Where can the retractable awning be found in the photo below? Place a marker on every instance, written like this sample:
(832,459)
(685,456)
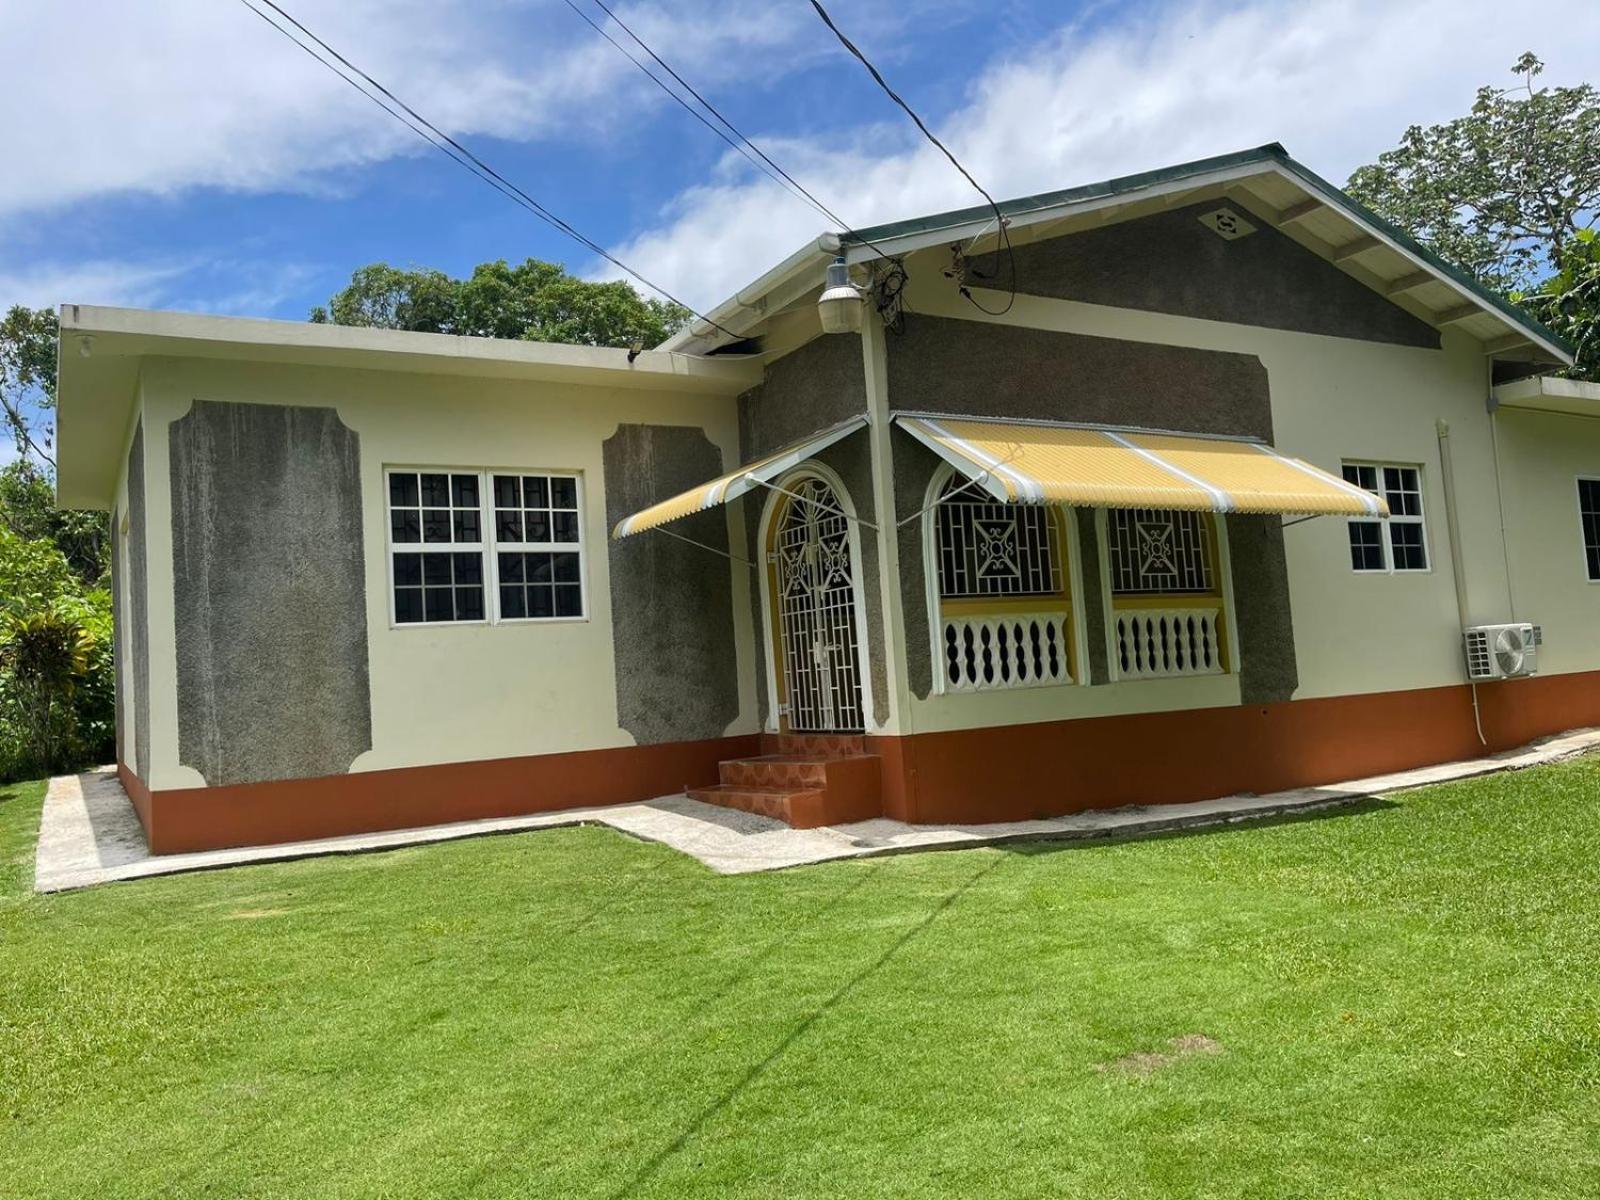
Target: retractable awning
(735,483)
(1093,467)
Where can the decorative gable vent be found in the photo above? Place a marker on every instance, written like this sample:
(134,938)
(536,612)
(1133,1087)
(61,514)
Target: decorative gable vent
(1226,223)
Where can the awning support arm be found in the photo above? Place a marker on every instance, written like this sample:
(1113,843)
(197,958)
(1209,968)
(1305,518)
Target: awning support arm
(757,481)
(703,546)
(975,481)
(1302,520)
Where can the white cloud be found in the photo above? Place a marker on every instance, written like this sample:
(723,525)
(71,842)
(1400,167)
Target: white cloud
(1337,81)
(156,98)
(127,283)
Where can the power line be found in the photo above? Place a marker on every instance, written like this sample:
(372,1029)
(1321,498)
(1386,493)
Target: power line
(798,192)
(712,109)
(878,78)
(454,150)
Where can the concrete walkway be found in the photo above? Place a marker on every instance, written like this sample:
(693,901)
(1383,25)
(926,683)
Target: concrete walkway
(89,833)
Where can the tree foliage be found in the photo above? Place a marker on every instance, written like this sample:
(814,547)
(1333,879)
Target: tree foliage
(1569,301)
(531,301)
(1503,190)
(28,338)
(57,680)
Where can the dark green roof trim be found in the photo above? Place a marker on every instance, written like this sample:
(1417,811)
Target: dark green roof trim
(1272,152)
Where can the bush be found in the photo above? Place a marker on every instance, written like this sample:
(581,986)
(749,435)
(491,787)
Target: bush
(57,676)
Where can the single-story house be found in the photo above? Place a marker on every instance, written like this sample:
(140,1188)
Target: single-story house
(1212,482)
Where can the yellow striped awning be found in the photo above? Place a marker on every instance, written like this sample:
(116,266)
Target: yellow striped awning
(735,483)
(1097,467)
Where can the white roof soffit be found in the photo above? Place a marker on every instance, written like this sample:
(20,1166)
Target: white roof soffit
(752,304)
(1545,394)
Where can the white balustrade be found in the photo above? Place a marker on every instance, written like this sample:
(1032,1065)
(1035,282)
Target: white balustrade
(1005,650)
(1158,643)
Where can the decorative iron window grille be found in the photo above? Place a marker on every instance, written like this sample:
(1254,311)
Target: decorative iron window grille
(1158,551)
(992,549)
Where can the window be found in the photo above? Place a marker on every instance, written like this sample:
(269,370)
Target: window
(1157,551)
(991,549)
(436,542)
(442,524)
(1589,514)
(537,546)
(1401,542)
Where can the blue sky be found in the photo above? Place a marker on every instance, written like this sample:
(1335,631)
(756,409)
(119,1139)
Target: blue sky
(182,155)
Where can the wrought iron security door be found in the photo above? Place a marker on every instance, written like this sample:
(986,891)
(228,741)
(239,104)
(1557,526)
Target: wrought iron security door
(817,613)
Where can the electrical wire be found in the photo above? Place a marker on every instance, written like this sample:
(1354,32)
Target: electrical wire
(999,217)
(454,150)
(888,284)
(798,188)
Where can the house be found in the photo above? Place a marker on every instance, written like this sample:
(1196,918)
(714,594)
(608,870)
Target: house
(1203,505)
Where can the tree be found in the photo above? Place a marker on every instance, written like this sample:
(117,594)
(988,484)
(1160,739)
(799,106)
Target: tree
(1569,301)
(1503,191)
(28,338)
(532,301)
(28,509)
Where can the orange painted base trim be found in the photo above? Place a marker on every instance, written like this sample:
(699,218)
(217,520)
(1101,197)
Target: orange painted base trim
(138,794)
(293,810)
(1018,772)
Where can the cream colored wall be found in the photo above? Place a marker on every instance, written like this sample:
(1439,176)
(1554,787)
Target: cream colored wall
(120,580)
(1332,399)
(1541,457)
(447,693)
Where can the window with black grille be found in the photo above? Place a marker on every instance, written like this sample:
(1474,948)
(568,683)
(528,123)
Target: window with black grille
(1589,514)
(1401,542)
(1159,551)
(987,548)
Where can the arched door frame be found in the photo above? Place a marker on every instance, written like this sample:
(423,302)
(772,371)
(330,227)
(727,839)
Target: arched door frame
(776,504)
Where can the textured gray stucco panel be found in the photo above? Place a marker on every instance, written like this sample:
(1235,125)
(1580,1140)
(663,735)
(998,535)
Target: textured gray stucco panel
(671,603)
(1268,672)
(1171,263)
(914,467)
(119,650)
(270,579)
(139,605)
(940,364)
(1094,599)
(820,384)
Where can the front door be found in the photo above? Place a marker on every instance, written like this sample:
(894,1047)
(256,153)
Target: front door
(819,648)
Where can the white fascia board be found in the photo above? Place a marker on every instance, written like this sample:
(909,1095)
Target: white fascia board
(135,332)
(755,298)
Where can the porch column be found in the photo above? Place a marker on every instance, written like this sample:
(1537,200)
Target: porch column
(899,721)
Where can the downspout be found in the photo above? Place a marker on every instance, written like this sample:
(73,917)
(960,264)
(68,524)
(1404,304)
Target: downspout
(1458,568)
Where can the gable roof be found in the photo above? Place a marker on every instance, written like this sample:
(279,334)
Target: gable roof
(1272,183)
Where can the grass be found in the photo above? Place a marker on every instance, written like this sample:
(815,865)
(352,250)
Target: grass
(1406,997)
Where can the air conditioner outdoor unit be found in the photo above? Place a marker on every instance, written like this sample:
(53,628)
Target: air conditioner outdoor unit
(1502,651)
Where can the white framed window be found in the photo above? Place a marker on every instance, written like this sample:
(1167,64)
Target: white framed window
(1589,518)
(987,548)
(435,547)
(471,546)
(1399,544)
(1159,551)
(538,544)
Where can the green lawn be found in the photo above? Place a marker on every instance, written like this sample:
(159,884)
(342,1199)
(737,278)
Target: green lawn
(1406,996)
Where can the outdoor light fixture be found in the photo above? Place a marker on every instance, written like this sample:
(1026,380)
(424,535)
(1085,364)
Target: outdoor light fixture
(840,303)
